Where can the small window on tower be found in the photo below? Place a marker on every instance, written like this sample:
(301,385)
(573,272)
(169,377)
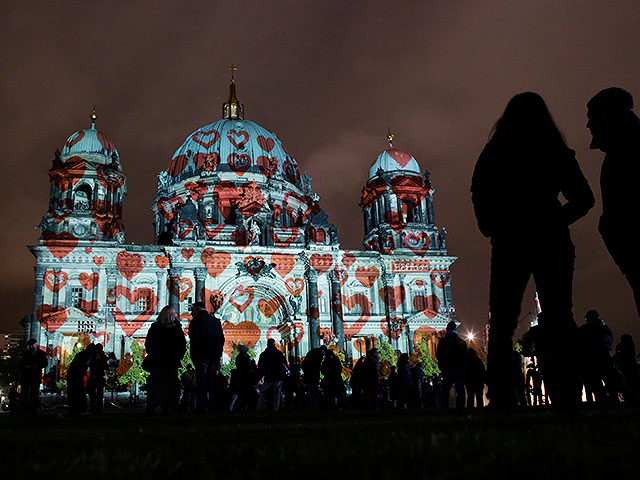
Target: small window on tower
(144,302)
(77,295)
(82,198)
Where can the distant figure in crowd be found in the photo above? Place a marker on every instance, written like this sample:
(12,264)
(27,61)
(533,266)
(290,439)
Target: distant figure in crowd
(404,382)
(77,378)
(207,342)
(165,345)
(453,357)
(273,366)
(332,383)
(595,341)
(370,380)
(417,381)
(32,362)
(311,365)
(475,380)
(516,183)
(355,382)
(615,130)
(244,382)
(625,359)
(188,381)
(96,381)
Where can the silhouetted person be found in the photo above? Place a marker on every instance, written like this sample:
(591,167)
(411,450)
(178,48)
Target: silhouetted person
(594,342)
(370,381)
(244,381)
(417,381)
(32,362)
(615,130)
(475,380)
(96,381)
(404,382)
(273,366)
(332,383)
(188,381)
(626,362)
(207,342)
(311,365)
(533,385)
(77,378)
(453,356)
(516,183)
(165,345)
(355,382)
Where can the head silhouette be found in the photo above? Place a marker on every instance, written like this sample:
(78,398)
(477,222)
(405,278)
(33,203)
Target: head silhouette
(526,120)
(606,112)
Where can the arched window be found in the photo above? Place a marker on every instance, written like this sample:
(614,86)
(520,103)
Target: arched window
(82,197)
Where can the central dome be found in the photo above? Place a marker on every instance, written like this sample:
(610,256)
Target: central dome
(233,145)
(394,160)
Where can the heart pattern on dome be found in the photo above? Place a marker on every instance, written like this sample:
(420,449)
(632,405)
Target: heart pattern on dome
(200,135)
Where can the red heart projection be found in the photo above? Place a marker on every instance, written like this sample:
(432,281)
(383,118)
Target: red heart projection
(266,143)
(185,319)
(69,242)
(313,312)
(247,333)
(89,281)
(440,277)
(186,285)
(88,250)
(321,263)
(341,274)
(200,135)
(348,259)
(392,296)
(184,228)
(211,229)
(89,308)
(51,318)
(418,244)
(216,262)
(284,263)
(129,264)
(300,331)
(196,190)
(239,163)
(104,141)
(367,276)
(357,300)
(131,327)
(54,281)
(267,165)
(395,220)
(295,286)
(167,208)
(284,236)
(98,260)
(177,165)
(253,265)
(207,161)
(238,138)
(428,305)
(206,295)
(419,283)
(187,253)
(162,261)
(397,325)
(270,307)
(74,139)
(400,157)
(237,297)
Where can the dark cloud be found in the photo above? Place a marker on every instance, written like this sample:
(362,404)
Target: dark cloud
(328,78)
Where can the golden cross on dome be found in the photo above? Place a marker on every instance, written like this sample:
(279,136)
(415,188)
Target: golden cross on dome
(390,136)
(94,117)
(233,69)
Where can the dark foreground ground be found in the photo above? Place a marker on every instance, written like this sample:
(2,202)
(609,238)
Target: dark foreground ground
(533,443)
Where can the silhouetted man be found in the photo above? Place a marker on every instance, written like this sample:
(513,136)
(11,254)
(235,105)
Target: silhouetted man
(32,362)
(453,358)
(273,366)
(615,130)
(207,341)
(595,341)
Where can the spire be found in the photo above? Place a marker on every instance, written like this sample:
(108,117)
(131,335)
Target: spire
(94,117)
(390,136)
(232,108)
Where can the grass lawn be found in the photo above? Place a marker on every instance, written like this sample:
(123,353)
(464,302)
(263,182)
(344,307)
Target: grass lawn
(527,443)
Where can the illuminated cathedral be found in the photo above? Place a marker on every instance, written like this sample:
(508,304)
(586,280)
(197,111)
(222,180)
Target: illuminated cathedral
(234,216)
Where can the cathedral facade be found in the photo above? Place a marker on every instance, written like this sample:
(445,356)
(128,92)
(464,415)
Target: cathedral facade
(235,219)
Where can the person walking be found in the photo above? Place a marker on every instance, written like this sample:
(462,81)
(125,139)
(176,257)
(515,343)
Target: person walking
(77,379)
(32,362)
(166,346)
(453,357)
(207,342)
(595,341)
(615,130)
(475,380)
(516,183)
(273,366)
(95,383)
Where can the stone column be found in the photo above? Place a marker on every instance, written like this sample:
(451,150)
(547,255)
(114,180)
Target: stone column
(174,288)
(336,309)
(387,280)
(35,329)
(201,277)
(111,305)
(161,289)
(313,312)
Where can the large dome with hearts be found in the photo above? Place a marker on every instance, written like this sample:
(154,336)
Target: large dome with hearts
(394,160)
(233,145)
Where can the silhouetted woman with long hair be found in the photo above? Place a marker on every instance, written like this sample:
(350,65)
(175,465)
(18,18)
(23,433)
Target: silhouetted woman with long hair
(515,188)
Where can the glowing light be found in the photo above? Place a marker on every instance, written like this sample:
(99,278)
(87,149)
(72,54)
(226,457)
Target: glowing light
(470,336)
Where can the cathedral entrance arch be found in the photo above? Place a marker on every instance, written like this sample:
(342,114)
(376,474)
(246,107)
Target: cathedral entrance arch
(252,312)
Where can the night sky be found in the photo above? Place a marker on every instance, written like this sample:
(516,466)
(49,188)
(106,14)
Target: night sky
(328,77)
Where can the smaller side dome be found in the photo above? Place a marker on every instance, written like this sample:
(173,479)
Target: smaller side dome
(89,140)
(394,160)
